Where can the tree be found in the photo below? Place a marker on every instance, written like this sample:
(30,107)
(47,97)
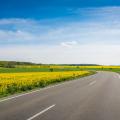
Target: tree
(51,69)
(9,65)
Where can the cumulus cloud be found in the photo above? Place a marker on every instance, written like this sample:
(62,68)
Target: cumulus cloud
(6,36)
(69,44)
(5,21)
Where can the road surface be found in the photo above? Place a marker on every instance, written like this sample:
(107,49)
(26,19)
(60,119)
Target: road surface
(96,97)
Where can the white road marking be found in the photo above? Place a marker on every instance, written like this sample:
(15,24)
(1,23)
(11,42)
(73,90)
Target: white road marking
(9,98)
(43,111)
(118,75)
(92,83)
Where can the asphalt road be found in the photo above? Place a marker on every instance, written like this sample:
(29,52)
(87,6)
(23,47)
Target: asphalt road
(96,97)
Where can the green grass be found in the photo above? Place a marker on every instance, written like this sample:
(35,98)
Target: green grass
(17,70)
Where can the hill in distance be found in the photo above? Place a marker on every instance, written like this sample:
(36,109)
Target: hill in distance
(12,64)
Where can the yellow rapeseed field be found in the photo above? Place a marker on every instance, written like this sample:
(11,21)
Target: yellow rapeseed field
(114,67)
(16,82)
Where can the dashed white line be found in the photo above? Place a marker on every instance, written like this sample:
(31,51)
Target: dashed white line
(92,83)
(43,111)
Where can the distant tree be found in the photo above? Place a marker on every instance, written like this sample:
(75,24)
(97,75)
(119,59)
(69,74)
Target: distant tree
(9,65)
(110,68)
(51,69)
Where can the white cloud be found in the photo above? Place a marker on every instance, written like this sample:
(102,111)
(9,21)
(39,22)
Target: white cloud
(5,21)
(69,44)
(107,12)
(101,25)
(84,33)
(17,36)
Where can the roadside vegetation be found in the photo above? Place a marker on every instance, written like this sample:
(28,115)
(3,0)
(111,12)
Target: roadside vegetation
(11,83)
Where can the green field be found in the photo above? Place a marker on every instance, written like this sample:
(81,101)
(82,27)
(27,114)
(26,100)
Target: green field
(16,67)
(17,70)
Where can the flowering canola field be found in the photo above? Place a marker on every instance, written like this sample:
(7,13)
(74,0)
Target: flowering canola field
(16,82)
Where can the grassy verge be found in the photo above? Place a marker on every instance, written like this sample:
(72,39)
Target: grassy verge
(20,70)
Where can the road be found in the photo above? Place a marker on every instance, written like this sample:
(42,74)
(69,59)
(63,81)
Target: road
(96,97)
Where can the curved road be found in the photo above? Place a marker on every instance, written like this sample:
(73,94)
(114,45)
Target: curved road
(96,97)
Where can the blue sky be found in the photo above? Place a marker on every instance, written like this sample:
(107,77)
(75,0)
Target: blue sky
(66,31)
(41,9)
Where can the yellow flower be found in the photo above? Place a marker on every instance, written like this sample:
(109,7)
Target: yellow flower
(13,82)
